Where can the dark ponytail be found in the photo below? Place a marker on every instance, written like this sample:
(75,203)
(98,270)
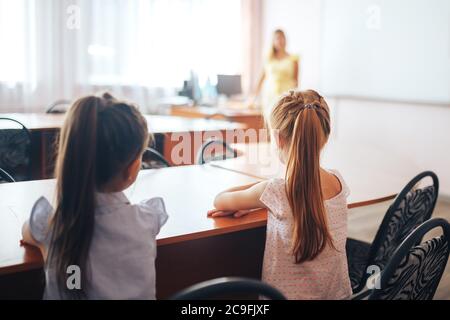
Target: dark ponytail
(101,136)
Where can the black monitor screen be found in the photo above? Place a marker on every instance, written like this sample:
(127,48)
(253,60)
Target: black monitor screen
(229,85)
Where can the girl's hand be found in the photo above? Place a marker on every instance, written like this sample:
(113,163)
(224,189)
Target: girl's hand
(24,242)
(221,213)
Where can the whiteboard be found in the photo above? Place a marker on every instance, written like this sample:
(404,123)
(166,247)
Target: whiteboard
(386,49)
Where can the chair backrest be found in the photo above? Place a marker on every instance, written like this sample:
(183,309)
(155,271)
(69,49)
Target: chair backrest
(15,148)
(228,286)
(59,106)
(410,208)
(414,271)
(5,177)
(152,159)
(220,150)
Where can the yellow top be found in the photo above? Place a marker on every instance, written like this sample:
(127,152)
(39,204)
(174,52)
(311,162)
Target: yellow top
(280,77)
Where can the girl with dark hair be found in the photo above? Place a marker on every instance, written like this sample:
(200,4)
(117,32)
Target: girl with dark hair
(94,228)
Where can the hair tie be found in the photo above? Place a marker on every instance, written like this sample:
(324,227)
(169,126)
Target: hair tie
(310,106)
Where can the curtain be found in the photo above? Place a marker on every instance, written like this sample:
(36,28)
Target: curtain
(252,47)
(138,49)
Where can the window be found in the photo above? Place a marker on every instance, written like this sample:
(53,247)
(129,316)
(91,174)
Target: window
(13,37)
(150,43)
(141,49)
(156,43)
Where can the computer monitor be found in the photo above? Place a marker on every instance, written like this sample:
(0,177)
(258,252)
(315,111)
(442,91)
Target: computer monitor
(229,85)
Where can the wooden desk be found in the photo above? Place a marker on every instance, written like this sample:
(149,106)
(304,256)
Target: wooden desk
(168,131)
(191,247)
(157,123)
(372,174)
(252,118)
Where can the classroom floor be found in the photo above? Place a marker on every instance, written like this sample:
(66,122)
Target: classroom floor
(364,223)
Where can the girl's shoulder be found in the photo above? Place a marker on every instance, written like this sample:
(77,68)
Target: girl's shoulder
(276,186)
(153,206)
(154,209)
(275,199)
(148,214)
(344,189)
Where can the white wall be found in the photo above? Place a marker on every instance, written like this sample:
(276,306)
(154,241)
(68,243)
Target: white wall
(395,49)
(419,132)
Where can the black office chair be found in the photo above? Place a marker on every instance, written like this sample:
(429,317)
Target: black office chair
(59,106)
(228,286)
(5,177)
(410,208)
(152,159)
(15,149)
(415,270)
(225,152)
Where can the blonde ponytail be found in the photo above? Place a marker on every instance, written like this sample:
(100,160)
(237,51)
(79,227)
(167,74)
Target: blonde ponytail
(302,119)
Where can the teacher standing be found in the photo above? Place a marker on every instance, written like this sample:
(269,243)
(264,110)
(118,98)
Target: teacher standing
(280,73)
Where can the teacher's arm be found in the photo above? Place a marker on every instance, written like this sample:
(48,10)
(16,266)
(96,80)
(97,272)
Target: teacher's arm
(262,77)
(296,73)
(28,239)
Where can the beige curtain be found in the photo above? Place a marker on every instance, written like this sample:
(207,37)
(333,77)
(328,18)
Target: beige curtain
(252,30)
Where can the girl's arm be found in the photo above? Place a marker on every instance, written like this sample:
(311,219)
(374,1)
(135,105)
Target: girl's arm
(28,239)
(238,188)
(241,198)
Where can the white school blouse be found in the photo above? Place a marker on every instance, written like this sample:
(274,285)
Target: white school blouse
(324,278)
(121,259)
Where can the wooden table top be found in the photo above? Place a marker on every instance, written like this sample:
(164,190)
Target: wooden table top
(188,192)
(156,123)
(372,174)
